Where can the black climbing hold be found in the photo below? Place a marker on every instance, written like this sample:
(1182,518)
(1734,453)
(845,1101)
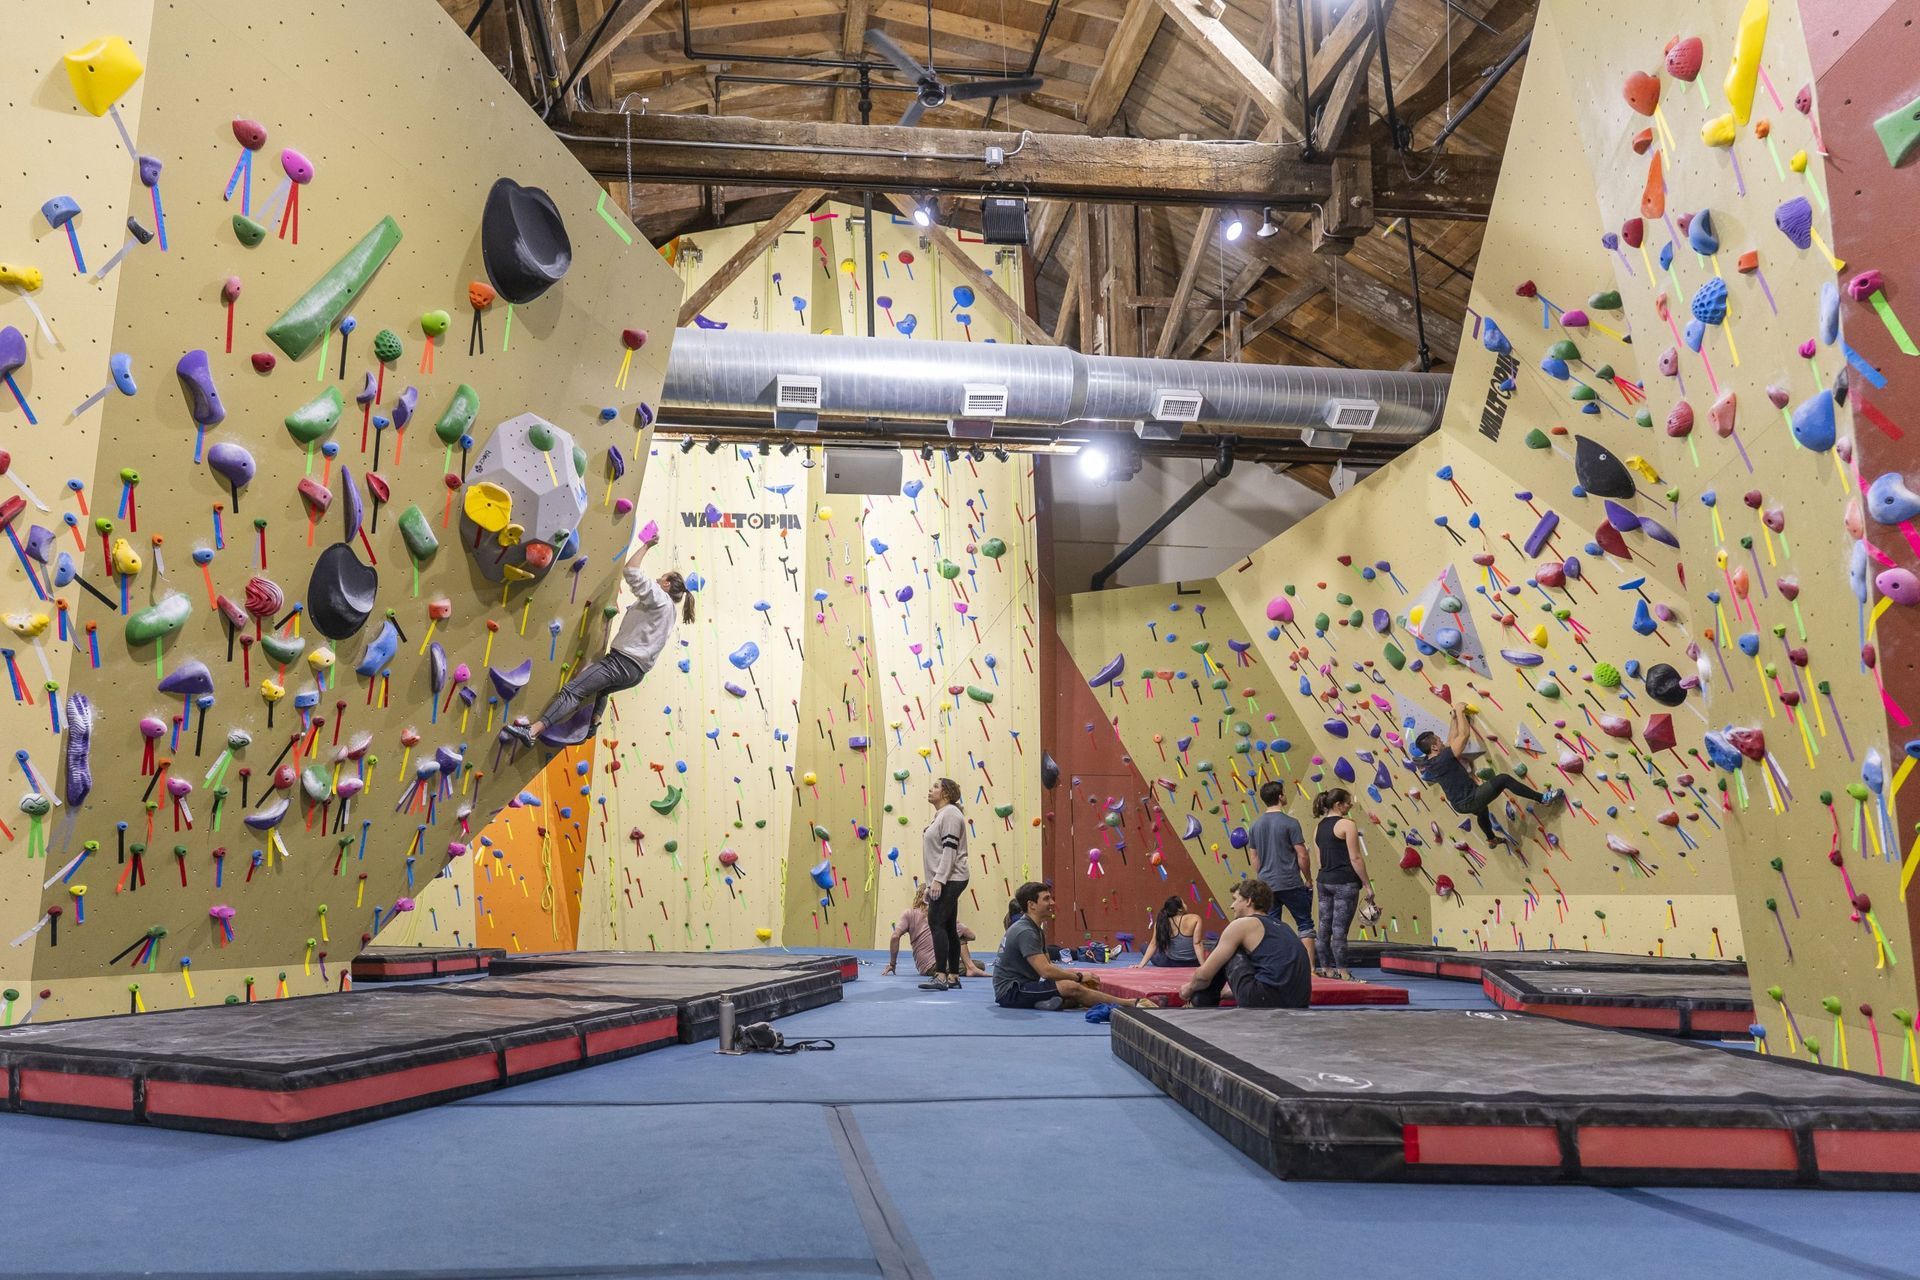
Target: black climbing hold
(1598,471)
(523,241)
(341,593)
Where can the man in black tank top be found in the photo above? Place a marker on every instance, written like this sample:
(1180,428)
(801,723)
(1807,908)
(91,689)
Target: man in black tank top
(1261,956)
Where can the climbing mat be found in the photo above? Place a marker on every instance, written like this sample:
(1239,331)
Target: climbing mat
(398,964)
(757,994)
(1481,1096)
(1365,954)
(848,967)
(288,1068)
(1132,984)
(1435,962)
(1707,1006)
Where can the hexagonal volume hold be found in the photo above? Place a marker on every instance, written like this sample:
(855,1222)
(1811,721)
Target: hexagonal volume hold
(525,500)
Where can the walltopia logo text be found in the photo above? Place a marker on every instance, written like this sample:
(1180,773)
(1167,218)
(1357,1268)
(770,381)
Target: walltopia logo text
(739,520)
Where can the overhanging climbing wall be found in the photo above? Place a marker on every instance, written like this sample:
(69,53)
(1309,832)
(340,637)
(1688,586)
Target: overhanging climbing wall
(1637,562)
(285,564)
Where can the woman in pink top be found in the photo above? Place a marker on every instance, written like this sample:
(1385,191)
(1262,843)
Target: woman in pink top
(919,935)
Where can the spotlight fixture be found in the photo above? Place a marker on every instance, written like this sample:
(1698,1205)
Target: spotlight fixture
(786,448)
(1268,227)
(1093,460)
(1000,452)
(977,454)
(1234,229)
(713,446)
(953,453)
(686,445)
(925,212)
(765,448)
(926,453)
(1108,460)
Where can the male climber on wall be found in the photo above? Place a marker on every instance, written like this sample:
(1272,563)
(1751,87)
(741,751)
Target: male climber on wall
(637,644)
(1441,765)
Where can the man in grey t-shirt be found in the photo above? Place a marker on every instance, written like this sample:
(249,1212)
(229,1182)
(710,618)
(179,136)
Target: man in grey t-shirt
(1023,976)
(1281,847)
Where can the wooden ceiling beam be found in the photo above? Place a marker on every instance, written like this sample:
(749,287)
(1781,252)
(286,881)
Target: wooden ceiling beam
(1121,67)
(1245,68)
(628,18)
(749,253)
(1473,54)
(740,150)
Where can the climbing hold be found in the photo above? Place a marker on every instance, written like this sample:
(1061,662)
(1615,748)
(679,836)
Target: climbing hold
(1813,422)
(1598,471)
(144,626)
(340,592)
(523,241)
(316,311)
(102,72)
(316,417)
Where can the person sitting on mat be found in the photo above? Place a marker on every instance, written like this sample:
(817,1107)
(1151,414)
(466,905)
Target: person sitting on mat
(1343,876)
(943,857)
(1023,975)
(913,927)
(1176,940)
(637,644)
(1261,956)
(1443,768)
(1282,847)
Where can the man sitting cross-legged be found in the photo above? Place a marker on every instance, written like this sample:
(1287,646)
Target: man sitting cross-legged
(1260,956)
(1023,976)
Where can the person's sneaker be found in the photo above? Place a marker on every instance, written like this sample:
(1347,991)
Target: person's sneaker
(937,982)
(1050,1005)
(516,733)
(1553,796)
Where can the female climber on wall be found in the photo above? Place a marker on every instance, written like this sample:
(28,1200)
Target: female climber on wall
(943,852)
(1342,879)
(637,644)
(1176,940)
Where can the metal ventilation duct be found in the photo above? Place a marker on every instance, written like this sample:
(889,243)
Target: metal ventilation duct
(725,369)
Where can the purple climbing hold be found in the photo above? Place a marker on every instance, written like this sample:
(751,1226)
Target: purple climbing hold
(196,382)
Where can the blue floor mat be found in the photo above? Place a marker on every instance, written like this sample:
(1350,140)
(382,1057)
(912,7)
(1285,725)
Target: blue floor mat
(685,1163)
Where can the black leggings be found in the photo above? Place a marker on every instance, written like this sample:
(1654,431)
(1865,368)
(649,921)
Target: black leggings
(943,918)
(610,673)
(1337,902)
(1487,792)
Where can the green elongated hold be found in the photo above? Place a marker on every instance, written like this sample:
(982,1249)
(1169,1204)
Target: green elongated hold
(459,416)
(1203,766)
(1537,439)
(417,533)
(1547,688)
(1581,391)
(1395,658)
(978,694)
(282,649)
(159,620)
(247,231)
(1218,682)
(1607,300)
(316,417)
(1201,646)
(821,833)
(1899,133)
(667,803)
(315,312)
(946,568)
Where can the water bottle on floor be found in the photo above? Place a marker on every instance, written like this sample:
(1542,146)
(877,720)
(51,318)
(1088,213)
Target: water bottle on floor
(726,1023)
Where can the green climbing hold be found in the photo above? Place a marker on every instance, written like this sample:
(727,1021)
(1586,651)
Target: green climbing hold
(282,649)
(579,462)
(1858,790)
(1242,748)
(316,417)
(947,568)
(668,802)
(1203,766)
(315,312)
(156,621)
(540,436)
(1342,599)
(1643,419)
(672,846)
(1395,658)
(1356,619)
(1003,811)
(1547,688)
(1201,646)
(1242,729)
(247,231)
(417,533)
(900,775)
(1606,300)
(387,346)
(435,323)
(1218,682)
(1582,392)
(1606,675)
(1564,350)
(1604,373)
(1321,622)
(1537,439)
(820,832)
(982,696)
(1899,133)
(993,548)
(458,418)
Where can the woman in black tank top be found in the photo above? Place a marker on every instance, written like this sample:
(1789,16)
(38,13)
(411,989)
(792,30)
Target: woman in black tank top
(1342,877)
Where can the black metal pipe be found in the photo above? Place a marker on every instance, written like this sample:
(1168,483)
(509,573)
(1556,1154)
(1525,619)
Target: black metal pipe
(542,47)
(479,16)
(1480,95)
(1400,134)
(1033,59)
(1222,464)
(1419,314)
(586,50)
(838,86)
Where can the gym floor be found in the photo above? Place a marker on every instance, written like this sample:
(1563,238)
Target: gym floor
(942,1137)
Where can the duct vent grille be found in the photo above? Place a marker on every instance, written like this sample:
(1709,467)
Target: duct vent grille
(984,400)
(1177,406)
(796,391)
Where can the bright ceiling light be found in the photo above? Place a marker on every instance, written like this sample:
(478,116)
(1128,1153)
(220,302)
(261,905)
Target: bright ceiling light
(1234,230)
(1094,461)
(923,212)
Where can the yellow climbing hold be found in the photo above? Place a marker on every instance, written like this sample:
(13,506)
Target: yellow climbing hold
(102,72)
(488,505)
(1539,636)
(1719,131)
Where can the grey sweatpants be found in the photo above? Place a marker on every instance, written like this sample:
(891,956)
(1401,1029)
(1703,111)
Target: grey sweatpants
(608,674)
(1337,902)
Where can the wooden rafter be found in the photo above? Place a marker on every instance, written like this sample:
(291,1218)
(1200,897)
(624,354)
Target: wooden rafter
(1118,70)
(632,15)
(749,253)
(1247,70)
(954,258)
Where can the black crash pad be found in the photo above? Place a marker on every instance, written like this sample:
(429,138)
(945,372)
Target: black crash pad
(758,995)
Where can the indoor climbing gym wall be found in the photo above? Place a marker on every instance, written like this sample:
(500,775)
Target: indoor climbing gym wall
(768,780)
(813,279)
(323,454)
(1655,555)
(1200,719)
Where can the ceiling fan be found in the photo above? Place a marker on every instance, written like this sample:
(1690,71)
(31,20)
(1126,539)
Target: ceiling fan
(933,91)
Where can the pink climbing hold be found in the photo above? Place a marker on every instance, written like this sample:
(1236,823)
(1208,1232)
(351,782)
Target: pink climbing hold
(298,167)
